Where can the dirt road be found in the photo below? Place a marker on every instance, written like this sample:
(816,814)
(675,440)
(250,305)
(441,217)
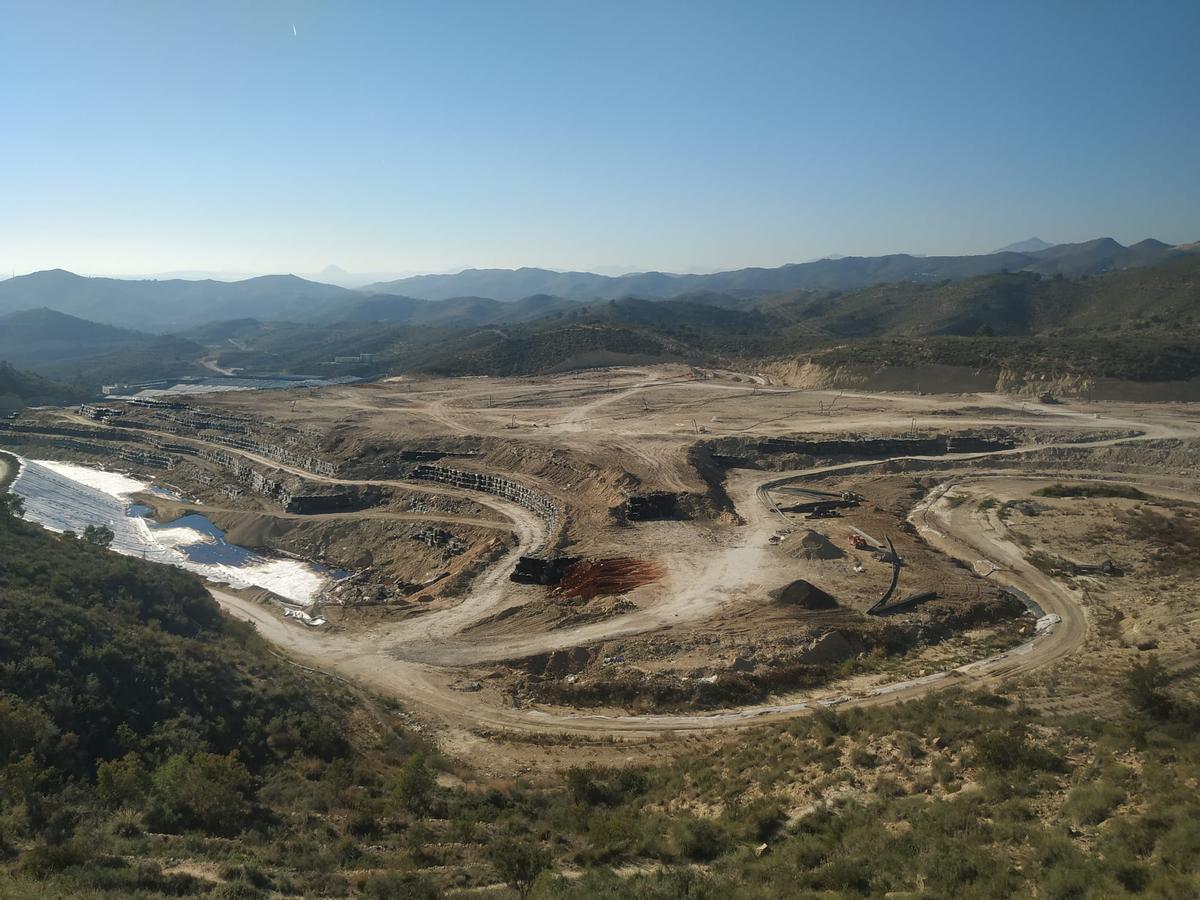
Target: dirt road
(416,659)
(959,532)
(378,661)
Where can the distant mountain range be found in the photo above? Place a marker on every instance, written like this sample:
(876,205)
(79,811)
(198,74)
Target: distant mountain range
(171,304)
(841,274)
(487,296)
(1151,306)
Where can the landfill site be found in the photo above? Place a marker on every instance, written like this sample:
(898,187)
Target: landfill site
(630,555)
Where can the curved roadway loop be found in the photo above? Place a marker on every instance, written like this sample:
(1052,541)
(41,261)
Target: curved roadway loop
(409,660)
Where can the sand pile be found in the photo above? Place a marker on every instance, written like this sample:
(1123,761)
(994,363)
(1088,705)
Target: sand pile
(803,594)
(809,544)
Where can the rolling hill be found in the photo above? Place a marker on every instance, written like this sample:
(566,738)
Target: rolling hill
(89,354)
(842,274)
(1015,303)
(479,335)
(168,305)
(44,336)
(20,389)
(1143,322)
(479,296)
(453,312)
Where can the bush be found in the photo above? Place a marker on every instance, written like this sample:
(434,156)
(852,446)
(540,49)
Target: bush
(400,886)
(518,864)
(592,787)
(414,784)
(205,791)
(1145,686)
(1010,751)
(44,860)
(1125,491)
(122,782)
(698,840)
(126,824)
(1091,804)
(98,535)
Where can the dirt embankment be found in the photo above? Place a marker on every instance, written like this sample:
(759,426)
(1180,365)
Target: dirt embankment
(932,378)
(948,379)
(393,558)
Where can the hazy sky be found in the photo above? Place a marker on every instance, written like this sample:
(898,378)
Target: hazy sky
(155,136)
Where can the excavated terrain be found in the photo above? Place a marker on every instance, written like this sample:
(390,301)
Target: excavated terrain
(648,550)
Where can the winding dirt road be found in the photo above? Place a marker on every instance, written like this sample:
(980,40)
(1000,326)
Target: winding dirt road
(415,659)
(412,666)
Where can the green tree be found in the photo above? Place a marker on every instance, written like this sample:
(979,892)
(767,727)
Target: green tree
(1145,685)
(414,784)
(98,535)
(581,787)
(204,791)
(11,506)
(519,864)
(122,782)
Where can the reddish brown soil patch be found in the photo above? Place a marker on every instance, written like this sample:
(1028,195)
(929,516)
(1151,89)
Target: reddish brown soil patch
(605,577)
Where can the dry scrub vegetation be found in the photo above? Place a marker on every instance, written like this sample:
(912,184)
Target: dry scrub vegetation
(956,795)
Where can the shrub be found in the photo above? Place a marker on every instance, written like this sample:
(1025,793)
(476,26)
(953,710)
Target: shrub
(592,787)
(122,782)
(44,860)
(414,784)
(205,791)
(98,535)
(1145,686)
(698,840)
(126,823)
(1010,750)
(1091,804)
(400,886)
(518,864)
(1126,491)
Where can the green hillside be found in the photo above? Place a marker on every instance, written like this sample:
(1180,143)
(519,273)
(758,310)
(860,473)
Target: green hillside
(151,747)
(1140,323)
(20,389)
(40,334)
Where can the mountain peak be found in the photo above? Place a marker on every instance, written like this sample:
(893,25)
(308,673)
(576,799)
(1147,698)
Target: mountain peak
(1029,245)
(53,275)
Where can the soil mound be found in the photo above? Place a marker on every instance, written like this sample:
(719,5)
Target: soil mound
(803,594)
(558,662)
(809,544)
(606,577)
(830,649)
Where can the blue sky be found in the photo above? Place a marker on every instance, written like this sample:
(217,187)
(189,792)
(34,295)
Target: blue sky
(152,136)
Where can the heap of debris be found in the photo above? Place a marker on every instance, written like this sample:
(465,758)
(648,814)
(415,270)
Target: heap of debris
(606,577)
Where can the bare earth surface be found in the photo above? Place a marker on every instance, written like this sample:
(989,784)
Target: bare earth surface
(588,440)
